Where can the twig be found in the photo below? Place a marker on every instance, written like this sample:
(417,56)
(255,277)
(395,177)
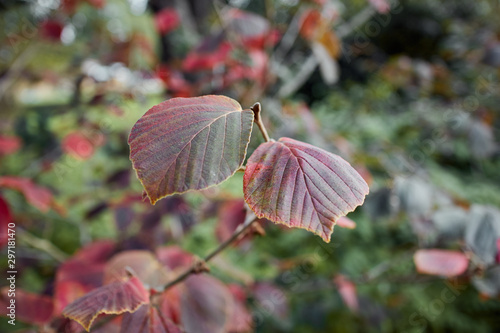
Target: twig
(288,38)
(42,245)
(358,20)
(187,20)
(311,62)
(256,108)
(201,265)
(305,72)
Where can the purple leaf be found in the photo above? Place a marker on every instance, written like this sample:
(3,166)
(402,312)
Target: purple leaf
(114,298)
(302,186)
(187,144)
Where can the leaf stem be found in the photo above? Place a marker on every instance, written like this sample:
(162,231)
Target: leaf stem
(200,266)
(256,108)
(42,245)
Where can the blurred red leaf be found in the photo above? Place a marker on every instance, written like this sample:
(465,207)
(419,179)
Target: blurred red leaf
(440,262)
(174,257)
(147,319)
(241,320)
(316,28)
(347,291)
(28,307)
(206,305)
(68,291)
(82,273)
(96,252)
(51,30)
(77,145)
(187,144)
(166,20)
(256,70)
(9,144)
(498,253)
(302,186)
(170,303)
(201,59)
(5,219)
(231,214)
(175,82)
(309,23)
(382,6)
(345,222)
(115,298)
(38,196)
(143,264)
(365,173)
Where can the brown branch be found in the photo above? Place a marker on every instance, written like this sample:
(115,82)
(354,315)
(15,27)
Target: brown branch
(256,108)
(200,265)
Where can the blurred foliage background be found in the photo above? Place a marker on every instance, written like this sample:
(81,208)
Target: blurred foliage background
(408,92)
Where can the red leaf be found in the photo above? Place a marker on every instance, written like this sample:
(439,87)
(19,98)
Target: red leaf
(77,145)
(38,196)
(365,173)
(206,305)
(82,273)
(51,30)
(440,262)
(170,304)
(302,186)
(309,23)
(174,257)
(147,319)
(202,60)
(189,144)
(241,320)
(166,20)
(175,82)
(345,222)
(96,252)
(142,263)
(5,219)
(231,214)
(114,298)
(382,6)
(9,144)
(347,291)
(28,307)
(257,70)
